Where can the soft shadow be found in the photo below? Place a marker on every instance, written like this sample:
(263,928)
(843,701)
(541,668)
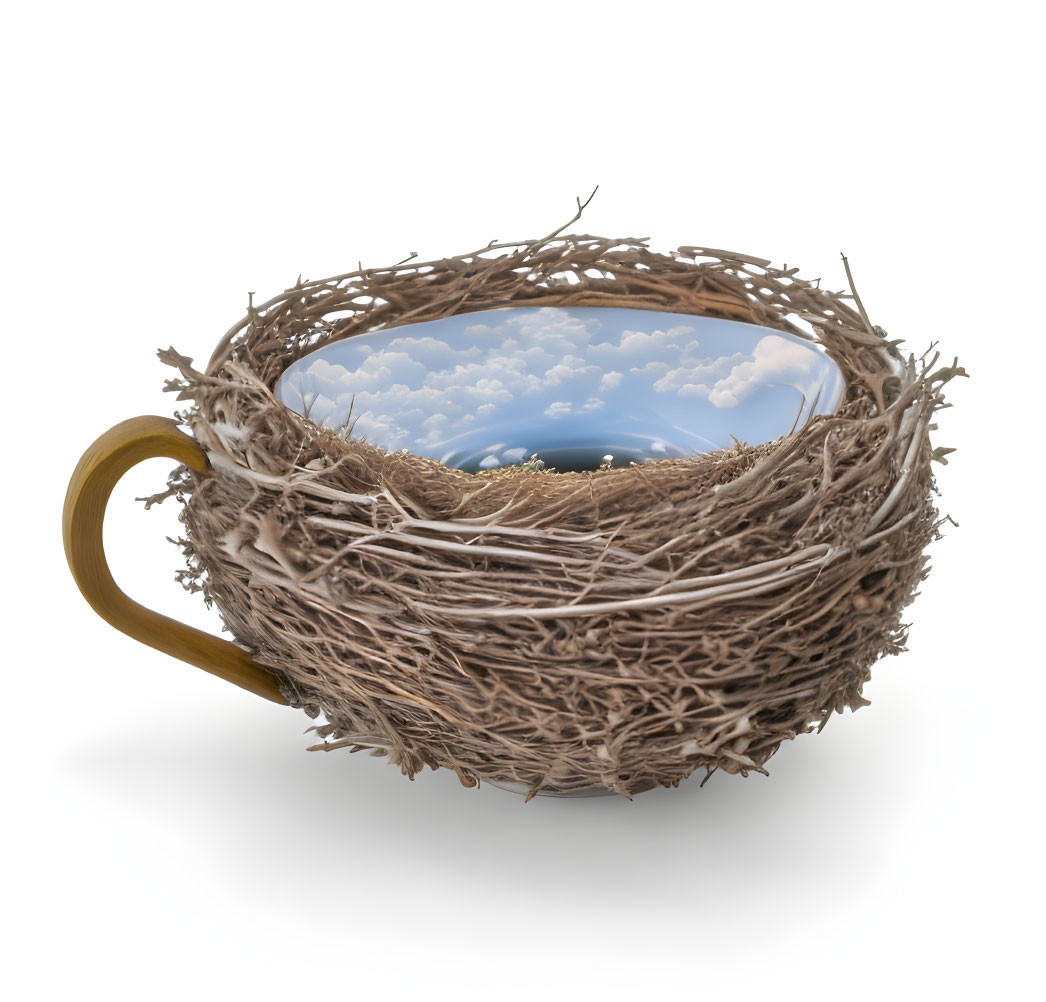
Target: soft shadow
(265,805)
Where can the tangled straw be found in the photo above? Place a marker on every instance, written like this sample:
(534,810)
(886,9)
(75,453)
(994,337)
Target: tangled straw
(564,631)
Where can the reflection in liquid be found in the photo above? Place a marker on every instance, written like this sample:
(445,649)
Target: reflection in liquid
(568,386)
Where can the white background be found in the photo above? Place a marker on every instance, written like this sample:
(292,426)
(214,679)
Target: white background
(166,836)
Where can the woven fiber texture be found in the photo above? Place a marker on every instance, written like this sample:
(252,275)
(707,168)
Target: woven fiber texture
(612,630)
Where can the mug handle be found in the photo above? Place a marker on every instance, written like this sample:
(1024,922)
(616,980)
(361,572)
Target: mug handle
(97,473)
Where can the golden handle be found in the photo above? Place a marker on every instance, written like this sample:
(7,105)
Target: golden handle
(97,473)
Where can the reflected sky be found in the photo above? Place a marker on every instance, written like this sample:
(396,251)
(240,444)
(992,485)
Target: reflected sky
(569,385)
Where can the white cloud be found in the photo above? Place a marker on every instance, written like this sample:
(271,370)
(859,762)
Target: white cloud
(650,370)
(635,344)
(697,379)
(551,324)
(512,371)
(382,430)
(776,360)
(699,390)
(558,409)
(571,368)
(320,368)
(432,353)
(610,380)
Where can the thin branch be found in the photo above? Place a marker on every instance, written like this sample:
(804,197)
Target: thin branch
(581,206)
(857,298)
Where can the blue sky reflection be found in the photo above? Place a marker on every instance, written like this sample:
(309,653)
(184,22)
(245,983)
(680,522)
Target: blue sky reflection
(570,384)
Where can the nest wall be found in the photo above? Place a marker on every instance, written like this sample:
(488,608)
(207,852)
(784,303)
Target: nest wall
(612,630)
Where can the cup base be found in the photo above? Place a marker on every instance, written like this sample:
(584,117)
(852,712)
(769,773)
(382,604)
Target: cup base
(520,788)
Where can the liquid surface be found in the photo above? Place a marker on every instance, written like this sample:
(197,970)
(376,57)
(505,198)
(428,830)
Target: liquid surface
(568,386)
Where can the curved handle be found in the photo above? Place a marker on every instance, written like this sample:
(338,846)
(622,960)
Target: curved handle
(97,473)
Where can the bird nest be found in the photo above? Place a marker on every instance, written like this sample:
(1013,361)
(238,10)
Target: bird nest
(562,632)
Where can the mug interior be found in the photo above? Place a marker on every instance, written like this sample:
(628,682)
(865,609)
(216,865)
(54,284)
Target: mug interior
(573,388)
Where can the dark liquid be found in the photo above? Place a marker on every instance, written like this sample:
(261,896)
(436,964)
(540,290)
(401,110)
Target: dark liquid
(573,458)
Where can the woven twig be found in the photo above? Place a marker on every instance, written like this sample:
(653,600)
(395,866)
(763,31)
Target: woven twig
(564,631)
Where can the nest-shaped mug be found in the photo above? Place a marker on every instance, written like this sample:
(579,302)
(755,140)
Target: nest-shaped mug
(568,515)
